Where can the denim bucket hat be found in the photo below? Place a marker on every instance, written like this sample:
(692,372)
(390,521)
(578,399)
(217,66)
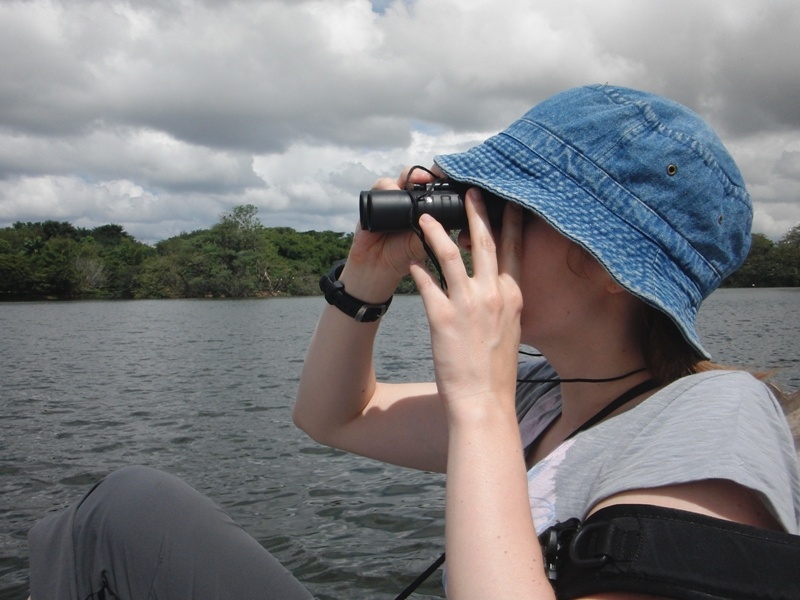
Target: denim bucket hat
(639,181)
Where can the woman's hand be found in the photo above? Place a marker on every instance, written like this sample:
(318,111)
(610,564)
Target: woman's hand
(381,260)
(475,324)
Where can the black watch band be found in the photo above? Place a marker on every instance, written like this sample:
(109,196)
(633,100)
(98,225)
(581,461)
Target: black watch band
(361,311)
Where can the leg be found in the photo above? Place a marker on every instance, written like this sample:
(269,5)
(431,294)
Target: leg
(141,533)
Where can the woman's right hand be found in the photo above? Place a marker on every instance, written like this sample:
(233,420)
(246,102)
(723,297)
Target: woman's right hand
(378,261)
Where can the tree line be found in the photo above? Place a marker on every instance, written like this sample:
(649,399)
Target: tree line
(237,257)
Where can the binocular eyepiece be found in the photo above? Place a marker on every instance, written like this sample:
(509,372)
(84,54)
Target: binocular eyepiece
(399,210)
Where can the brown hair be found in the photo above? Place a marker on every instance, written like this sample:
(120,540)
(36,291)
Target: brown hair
(669,356)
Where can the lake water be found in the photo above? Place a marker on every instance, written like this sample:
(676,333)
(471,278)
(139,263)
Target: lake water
(203,389)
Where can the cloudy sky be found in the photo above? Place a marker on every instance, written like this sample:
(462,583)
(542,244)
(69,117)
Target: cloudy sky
(161,115)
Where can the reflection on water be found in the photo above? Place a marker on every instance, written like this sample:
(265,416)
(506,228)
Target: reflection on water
(203,389)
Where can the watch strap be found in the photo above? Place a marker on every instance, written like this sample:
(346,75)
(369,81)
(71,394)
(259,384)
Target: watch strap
(335,294)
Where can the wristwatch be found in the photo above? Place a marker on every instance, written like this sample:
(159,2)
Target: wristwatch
(361,311)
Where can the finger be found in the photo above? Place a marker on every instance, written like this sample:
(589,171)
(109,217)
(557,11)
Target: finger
(415,174)
(426,284)
(484,248)
(510,255)
(385,183)
(445,249)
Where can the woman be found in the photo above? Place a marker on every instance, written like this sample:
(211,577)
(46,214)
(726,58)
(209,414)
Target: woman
(623,212)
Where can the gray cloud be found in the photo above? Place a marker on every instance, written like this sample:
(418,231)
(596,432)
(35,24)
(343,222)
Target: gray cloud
(160,116)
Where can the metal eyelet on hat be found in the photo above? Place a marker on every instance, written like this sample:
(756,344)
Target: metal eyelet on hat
(672,169)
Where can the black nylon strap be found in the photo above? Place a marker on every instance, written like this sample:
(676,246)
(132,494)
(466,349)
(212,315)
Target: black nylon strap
(335,295)
(678,554)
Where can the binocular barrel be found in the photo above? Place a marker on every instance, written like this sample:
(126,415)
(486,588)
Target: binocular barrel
(399,210)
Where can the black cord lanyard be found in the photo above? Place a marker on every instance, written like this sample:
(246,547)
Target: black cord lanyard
(619,401)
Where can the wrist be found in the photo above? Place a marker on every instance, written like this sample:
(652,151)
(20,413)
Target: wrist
(367,282)
(357,308)
(482,411)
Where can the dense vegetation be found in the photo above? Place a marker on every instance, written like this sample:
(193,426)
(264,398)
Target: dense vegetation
(237,257)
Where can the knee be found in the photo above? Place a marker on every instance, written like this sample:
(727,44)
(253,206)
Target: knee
(135,481)
(139,501)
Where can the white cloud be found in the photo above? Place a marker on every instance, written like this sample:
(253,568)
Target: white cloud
(161,116)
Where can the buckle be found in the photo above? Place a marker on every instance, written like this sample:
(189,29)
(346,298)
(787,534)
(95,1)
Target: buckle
(555,542)
(593,562)
(362,312)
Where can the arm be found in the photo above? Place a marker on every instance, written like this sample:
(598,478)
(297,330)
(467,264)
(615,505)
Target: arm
(492,548)
(339,402)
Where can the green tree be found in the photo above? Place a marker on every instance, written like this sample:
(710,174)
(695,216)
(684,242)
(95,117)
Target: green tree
(788,258)
(91,274)
(17,279)
(110,235)
(124,261)
(758,269)
(55,272)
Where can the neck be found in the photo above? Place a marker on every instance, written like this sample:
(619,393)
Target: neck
(621,368)
(581,401)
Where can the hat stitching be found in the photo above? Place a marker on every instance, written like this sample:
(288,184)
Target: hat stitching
(650,117)
(507,191)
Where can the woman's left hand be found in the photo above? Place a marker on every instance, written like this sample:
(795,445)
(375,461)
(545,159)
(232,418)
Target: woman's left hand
(475,323)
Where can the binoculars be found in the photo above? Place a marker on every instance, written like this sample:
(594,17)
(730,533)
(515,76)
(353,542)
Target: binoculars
(399,210)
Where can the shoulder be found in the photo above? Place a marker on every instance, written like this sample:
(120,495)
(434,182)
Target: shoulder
(718,382)
(729,414)
(723,425)
(727,398)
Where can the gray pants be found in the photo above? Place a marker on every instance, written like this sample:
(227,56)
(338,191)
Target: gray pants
(142,534)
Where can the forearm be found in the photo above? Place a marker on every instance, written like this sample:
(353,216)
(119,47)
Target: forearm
(338,378)
(492,549)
